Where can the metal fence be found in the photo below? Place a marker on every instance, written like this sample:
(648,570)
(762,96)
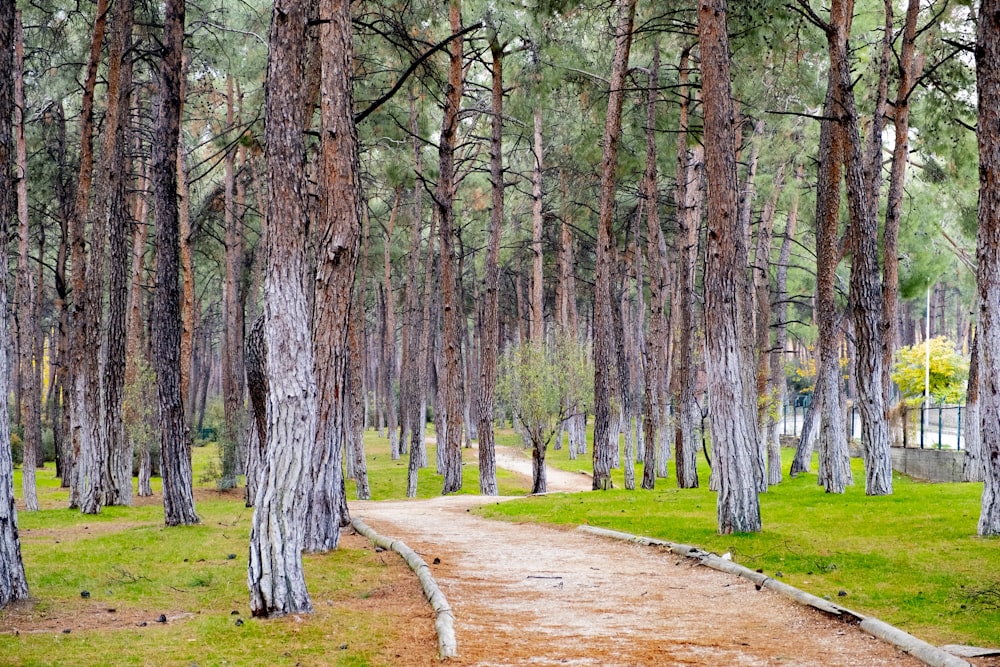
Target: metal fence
(935,427)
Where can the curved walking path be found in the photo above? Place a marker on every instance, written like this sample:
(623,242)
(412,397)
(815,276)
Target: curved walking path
(530,594)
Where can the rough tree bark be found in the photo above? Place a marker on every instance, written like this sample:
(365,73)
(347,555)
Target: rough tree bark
(175,455)
(537,328)
(490,336)
(732,404)
(835,461)
(605,440)
(972,463)
(84,341)
(444,196)
(339,230)
(388,322)
(409,368)
(13,584)
(656,356)
(117,486)
(988,259)
(767,402)
(688,179)
(277,536)
(778,385)
(25,311)
(894,197)
(233,362)
(863,176)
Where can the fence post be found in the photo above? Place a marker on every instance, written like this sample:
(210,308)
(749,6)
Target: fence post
(940,412)
(958,431)
(922,424)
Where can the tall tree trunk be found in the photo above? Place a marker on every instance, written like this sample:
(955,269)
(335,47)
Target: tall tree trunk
(84,343)
(409,370)
(117,486)
(337,258)
(656,342)
(60,404)
(354,424)
(389,334)
(25,314)
(537,328)
(175,454)
(835,463)
(13,584)
(732,403)
(418,440)
(768,404)
(451,382)
(687,195)
(277,536)
(972,466)
(777,384)
(863,175)
(255,353)
(605,440)
(988,259)
(233,373)
(489,339)
(894,197)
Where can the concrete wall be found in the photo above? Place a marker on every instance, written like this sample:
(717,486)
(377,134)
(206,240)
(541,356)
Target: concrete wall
(932,465)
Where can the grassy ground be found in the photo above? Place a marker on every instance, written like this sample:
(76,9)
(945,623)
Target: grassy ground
(912,559)
(133,570)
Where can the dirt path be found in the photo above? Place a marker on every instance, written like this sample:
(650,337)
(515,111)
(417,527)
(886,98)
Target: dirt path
(530,594)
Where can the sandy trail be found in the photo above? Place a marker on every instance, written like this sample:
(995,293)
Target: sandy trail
(529,594)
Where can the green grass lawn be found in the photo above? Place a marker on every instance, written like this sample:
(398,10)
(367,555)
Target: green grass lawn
(127,561)
(912,559)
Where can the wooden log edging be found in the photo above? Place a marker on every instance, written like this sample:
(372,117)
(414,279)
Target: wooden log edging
(444,618)
(919,649)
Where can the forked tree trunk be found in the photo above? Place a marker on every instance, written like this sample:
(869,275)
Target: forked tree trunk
(988,256)
(732,403)
(863,176)
(451,380)
(339,236)
(175,453)
(605,440)
(277,536)
(13,584)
